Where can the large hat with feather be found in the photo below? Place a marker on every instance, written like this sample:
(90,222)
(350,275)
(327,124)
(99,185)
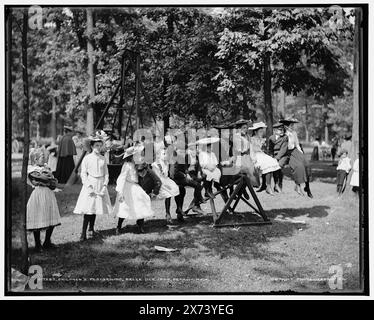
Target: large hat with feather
(133,150)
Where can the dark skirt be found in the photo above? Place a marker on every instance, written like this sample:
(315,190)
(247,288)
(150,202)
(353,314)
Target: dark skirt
(299,166)
(65,166)
(315,154)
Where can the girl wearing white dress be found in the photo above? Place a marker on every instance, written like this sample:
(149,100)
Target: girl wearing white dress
(355,179)
(42,209)
(168,188)
(94,197)
(261,160)
(208,162)
(132,201)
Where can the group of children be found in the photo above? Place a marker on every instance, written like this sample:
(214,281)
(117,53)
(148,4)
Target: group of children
(138,182)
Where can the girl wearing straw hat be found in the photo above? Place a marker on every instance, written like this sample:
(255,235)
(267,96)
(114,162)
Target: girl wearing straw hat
(298,163)
(261,160)
(94,197)
(132,201)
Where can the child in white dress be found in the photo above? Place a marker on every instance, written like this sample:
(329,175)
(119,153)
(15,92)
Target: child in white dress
(168,188)
(208,162)
(42,209)
(94,197)
(132,201)
(261,160)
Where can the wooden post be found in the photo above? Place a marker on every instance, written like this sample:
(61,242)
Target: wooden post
(122,99)
(356,85)
(8,126)
(26,132)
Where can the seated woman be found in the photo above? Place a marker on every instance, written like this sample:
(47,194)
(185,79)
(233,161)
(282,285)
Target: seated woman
(208,162)
(261,160)
(298,163)
(168,188)
(241,150)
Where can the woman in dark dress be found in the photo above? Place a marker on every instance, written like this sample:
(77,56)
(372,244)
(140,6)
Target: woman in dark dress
(66,153)
(298,163)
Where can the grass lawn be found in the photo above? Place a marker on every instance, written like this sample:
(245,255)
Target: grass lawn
(306,237)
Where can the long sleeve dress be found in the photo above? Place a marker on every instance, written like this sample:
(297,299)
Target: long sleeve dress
(136,203)
(208,162)
(261,160)
(168,188)
(42,209)
(94,196)
(298,162)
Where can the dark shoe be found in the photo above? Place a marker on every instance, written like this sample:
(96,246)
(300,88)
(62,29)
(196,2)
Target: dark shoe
(180,217)
(83,237)
(38,249)
(118,231)
(49,245)
(308,192)
(277,188)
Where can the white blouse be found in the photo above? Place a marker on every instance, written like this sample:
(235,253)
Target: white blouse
(207,159)
(164,170)
(128,174)
(94,165)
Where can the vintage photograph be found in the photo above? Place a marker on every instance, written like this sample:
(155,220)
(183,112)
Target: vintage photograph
(186,149)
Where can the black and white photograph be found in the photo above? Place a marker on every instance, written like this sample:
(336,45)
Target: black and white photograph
(171,149)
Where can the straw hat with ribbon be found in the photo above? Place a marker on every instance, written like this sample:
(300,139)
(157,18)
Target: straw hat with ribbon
(52,147)
(68,128)
(278,125)
(288,121)
(257,125)
(133,150)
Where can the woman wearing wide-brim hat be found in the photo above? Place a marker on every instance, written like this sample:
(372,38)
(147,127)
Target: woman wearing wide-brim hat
(298,163)
(132,201)
(94,197)
(266,164)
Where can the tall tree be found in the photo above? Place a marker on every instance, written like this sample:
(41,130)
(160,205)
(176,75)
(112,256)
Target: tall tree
(280,47)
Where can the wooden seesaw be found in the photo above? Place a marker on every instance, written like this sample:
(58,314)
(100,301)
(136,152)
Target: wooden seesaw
(241,183)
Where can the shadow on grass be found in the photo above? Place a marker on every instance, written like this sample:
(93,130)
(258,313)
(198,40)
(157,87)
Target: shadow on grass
(200,249)
(311,212)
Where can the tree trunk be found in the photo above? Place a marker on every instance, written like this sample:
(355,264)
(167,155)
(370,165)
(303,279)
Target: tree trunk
(267,96)
(54,120)
(282,102)
(325,116)
(306,121)
(356,88)
(26,130)
(91,73)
